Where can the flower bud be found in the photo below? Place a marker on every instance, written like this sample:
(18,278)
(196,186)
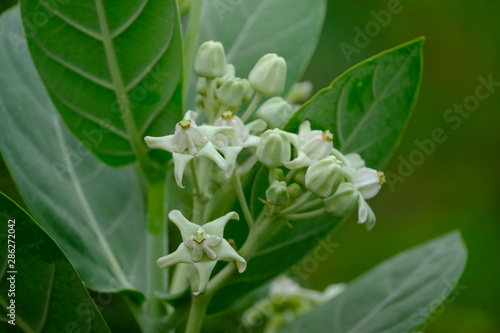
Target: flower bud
(274,148)
(231,92)
(300,92)
(248,90)
(277,193)
(323,177)
(343,201)
(294,190)
(268,75)
(275,112)
(210,60)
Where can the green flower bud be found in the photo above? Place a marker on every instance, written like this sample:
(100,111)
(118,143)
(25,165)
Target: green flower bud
(210,61)
(248,90)
(275,112)
(343,201)
(294,190)
(268,75)
(231,92)
(323,177)
(277,193)
(300,92)
(274,148)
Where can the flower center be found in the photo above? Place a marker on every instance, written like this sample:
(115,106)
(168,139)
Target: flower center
(381,177)
(327,136)
(199,236)
(227,115)
(185,124)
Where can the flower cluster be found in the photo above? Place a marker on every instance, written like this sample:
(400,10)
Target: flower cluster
(307,175)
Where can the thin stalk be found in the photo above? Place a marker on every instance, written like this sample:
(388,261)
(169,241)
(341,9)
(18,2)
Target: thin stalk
(198,197)
(298,204)
(210,101)
(311,204)
(241,197)
(251,108)
(305,216)
(190,41)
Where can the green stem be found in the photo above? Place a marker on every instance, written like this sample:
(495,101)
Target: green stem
(191,40)
(199,199)
(210,102)
(157,246)
(251,108)
(199,305)
(298,204)
(305,216)
(241,197)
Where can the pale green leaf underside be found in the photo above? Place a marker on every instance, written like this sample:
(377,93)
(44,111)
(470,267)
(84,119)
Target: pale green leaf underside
(250,29)
(93,211)
(389,297)
(94,55)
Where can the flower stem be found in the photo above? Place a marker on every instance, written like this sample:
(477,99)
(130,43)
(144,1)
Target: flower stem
(305,216)
(197,311)
(251,108)
(241,197)
(298,204)
(210,102)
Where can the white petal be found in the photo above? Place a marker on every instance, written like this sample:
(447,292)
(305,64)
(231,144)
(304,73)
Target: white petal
(367,181)
(230,155)
(198,252)
(209,151)
(301,161)
(216,227)
(365,214)
(210,253)
(226,252)
(355,160)
(180,162)
(181,255)
(191,115)
(209,131)
(256,126)
(251,141)
(204,269)
(305,128)
(186,228)
(163,142)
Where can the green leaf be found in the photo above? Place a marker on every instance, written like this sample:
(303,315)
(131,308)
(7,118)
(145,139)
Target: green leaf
(394,297)
(47,292)
(93,211)
(250,29)
(110,67)
(367,108)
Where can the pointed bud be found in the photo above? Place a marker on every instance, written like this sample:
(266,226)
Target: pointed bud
(274,148)
(268,75)
(300,92)
(210,60)
(277,193)
(275,112)
(231,92)
(343,201)
(323,177)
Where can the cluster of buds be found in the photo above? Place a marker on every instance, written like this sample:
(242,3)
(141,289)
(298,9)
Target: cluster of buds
(308,176)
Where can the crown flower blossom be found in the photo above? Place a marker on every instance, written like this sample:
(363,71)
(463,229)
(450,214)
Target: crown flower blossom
(202,246)
(189,141)
(313,145)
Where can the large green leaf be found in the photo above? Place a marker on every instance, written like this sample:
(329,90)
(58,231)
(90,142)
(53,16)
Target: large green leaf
(394,297)
(95,56)
(250,29)
(93,211)
(47,292)
(367,108)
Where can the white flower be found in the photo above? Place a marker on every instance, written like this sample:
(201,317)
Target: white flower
(189,141)
(312,146)
(232,145)
(202,246)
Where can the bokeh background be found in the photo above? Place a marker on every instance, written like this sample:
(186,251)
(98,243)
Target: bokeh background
(455,187)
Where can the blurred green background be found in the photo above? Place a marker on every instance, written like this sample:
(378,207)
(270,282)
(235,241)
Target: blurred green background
(455,187)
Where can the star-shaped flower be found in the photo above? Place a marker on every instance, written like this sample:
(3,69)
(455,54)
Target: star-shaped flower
(311,146)
(190,141)
(202,246)
(232,145)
